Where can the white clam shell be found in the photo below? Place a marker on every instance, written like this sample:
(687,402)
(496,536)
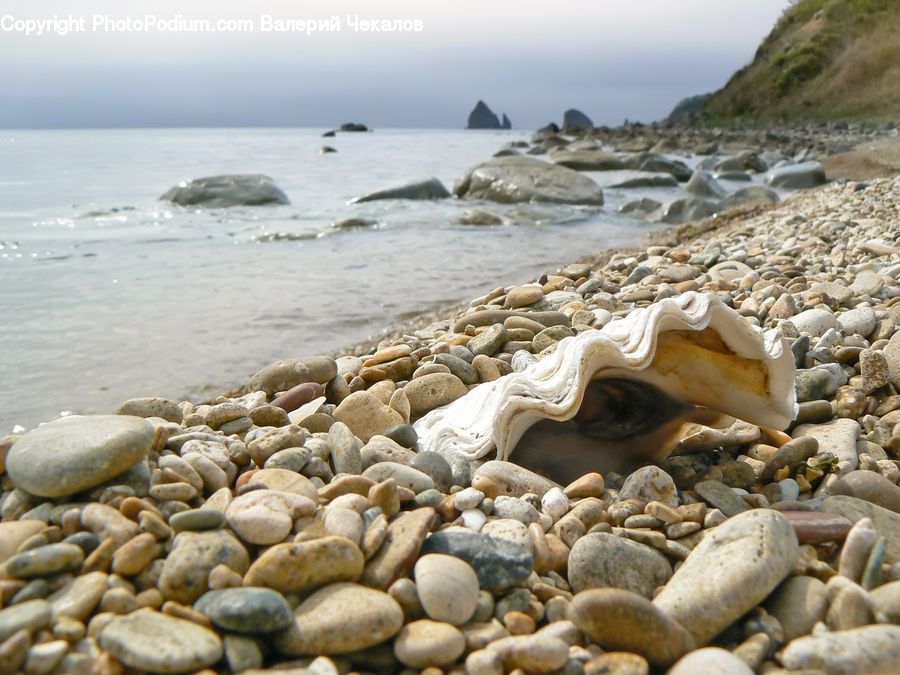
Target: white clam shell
(693,346)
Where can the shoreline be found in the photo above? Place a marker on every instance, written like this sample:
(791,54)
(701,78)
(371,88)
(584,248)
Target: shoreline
(320,530)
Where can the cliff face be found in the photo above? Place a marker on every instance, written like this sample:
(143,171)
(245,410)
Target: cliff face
(823,60)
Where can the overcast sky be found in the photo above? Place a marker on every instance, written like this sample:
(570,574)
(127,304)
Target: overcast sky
(531,59)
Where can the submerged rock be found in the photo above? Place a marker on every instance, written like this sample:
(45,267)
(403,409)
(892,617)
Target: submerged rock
(430,188)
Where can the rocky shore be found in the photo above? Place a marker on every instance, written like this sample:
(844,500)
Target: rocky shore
(296,528)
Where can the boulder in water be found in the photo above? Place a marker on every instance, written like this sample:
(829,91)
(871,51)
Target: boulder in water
(353,126)
(430,188)
(518,179)
(247,189)
(803,175)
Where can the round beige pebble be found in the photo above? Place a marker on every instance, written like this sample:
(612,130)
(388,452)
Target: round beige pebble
(426,643)
(522,296)
(266,516)
(448,588)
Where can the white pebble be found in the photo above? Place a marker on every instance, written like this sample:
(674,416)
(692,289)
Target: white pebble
(473,519)
(469,498)
(555,503)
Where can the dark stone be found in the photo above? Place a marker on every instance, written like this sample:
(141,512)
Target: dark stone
(86,541)
(329,134)
(505,123)
(498,563)
(227,190)
(353,126)
(482,117)
(721,497)
(403,434)
(430,188)
(246,610)
(436,467)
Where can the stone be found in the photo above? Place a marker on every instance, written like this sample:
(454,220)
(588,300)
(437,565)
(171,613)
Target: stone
(44,561)
(710,661)
(76,453)
(797,176)
(303,566)
(366,415)
(588,159)
(798,603)
(164,408)
(814,321)
(815,527)
(226,190)
(403,475)
(341,618)
(345,449)
(885,600)
(425,643)
(859,320)
(266,516)
(288,373)
(752,195)
(433,391)
(519,179)
(447,586)
(298,396)
(489,341)
(498,564)
(14,532)
(284,480)
(869,649)
(683,210)
(887,523)
(435,467)
(108,523)
(730,571)
(156,642)
(197,520)
(185,573)
(575,118)
(427,188)
(31,615)
(837,437)
(601,560)
(650,483)
(721,497)
(621,620)
(523,296)
(870,486)
(511,479)
(246,610)
(398,552)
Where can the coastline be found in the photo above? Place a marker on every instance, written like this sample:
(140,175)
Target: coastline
(319,529)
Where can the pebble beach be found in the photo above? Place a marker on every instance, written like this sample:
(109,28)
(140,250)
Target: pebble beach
(296,525)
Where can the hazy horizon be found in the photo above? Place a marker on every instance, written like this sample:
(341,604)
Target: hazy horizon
(610,61)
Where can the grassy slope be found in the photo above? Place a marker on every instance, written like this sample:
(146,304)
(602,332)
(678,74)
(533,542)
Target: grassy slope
(823,60)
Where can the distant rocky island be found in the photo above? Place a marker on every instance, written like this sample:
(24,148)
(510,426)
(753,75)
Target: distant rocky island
(482,117)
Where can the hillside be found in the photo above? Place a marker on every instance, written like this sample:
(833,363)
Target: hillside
(823,60)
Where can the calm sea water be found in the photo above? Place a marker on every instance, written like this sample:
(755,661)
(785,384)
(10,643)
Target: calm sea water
(107,293)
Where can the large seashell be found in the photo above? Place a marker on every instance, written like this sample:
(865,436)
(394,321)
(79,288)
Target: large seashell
(686,358)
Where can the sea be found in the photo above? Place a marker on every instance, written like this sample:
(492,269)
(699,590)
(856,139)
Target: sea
(108,293)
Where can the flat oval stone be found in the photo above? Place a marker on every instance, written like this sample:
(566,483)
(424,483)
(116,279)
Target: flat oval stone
(30,615)
(798,604)
(815,527)
(870,486)
(431,391)
(266,516)
(602,560)
(448,588)
(341,618)
(246,610)
(185,574)
(512,479)
(729,572)
(153,641)
(425,643)
(498,564)
(164,408)
(400,548)
(301,566)
(621,620)
(887,523)
(76,453)
(45,561)
(14,532)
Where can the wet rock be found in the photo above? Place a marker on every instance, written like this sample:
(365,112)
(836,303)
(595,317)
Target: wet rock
(226,190)
(513,180)
(429,188)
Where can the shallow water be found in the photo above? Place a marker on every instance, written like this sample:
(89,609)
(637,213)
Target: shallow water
(107,293)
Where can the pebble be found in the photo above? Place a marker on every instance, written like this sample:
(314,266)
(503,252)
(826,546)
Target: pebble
(401,546)
(815,527)
(76,453)
(14,532)
(860,320)
(887,523)
(44,561)
(448,588)
(650,483)
(860,541)
(149,640)
(838,437)
(748,555)
(286,374)
(340,618)
(246,610)
(814,321)
(798,603)
(489,341)
(31,615)
(79,597)
(303,566)
(266,516)
(432,391)
(402,474)
(886,602)
(511,479)
(871,487)
(522,296)
(197,520)
(498,564)
(164,408)
(366,415)
(425,643)
(870,649)
(721,497)
(602,560)
(710,661)
(185,573)
(621,620)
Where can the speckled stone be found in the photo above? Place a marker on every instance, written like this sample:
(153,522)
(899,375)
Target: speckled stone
(156,642)
(498,564)
(425,643)
(341,618)
(75,453)
(185,574)
(447,586)
(401,546)
(869,649)
(730,571)
(602,560)
(302,566)
(650,483)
